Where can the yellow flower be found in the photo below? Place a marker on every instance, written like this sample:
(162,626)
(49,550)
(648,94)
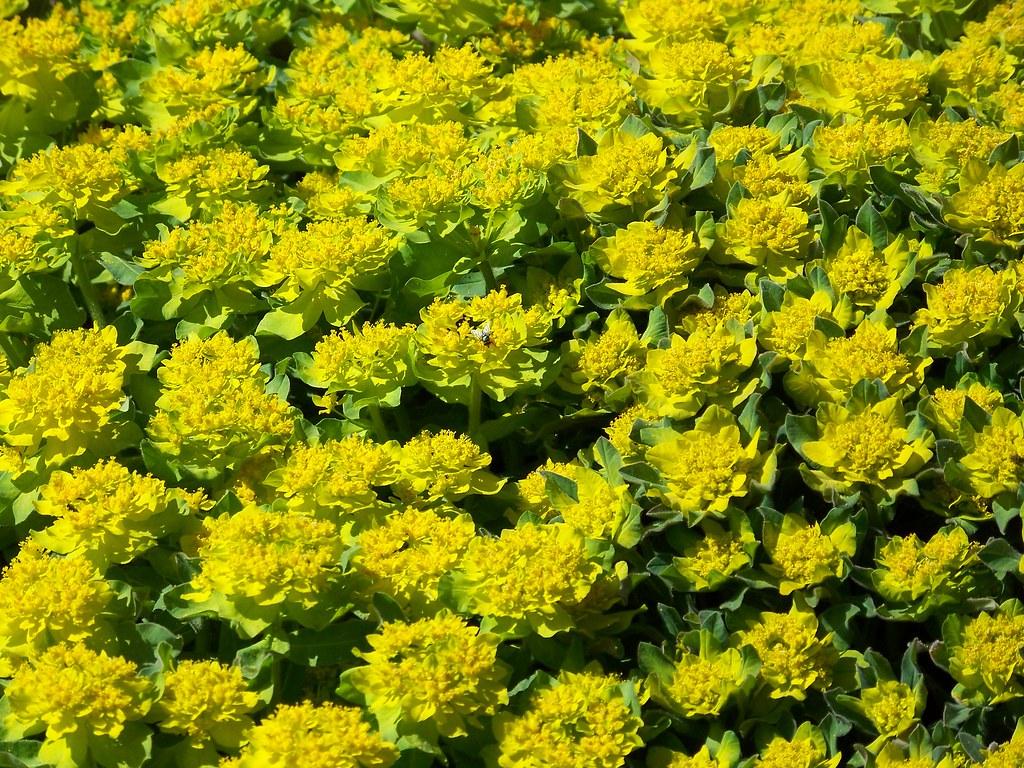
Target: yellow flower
(986,654)
(316,736)
(707,467)
(107,513)
(871,278)
(990,204)
(1009,754)
(864,86)
(209,256)
(766,234)
(945,407)
(436,676)
(926,575)
(729,140)
(213,410)
(845,151)
(83,181)
(531,578)
(585,90)
(581,721)
(653,23)
(712,556)
(327,198)
(597,508)
(832,367)
(206,700)
(807,749)
(805,554)
(725,310)
(329,260)
(766,176)
(651,263)
(893,756)
(704,368)
(972,306)
(621,427)
(335,479)
(444,465)
(598,366)
(695,80)
(38,54)
(407,555)
(892,707)
(206,181)
(864,447)
(491,342)
(630,171)
(222,76)
(46,600)
(793,658)
(971,70)
(994,462)
(64,402)
(786,330)
(1007,105)
(714,754)
(79,698)
(944,148)
(701,683)
(258,567)
(372,361)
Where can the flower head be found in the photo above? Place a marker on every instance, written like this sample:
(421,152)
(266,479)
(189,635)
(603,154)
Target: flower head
(46,600)
(864,446)
(804,554)
(704,368)
(407,555)
(793,658)
(214,410)
(70,691)
(64,402)
(926,575)
(206,700)
(766,234)
(491,341)
(107,513)
(707,467)
(533,577)
(581,721)
(650,262)
(986,654)
(973,306)
(437,673)
(316,736)
(258,567)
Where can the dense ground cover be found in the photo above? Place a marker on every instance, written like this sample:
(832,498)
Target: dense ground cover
(542,385)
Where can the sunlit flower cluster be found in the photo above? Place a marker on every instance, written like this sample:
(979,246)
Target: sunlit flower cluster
(511,383)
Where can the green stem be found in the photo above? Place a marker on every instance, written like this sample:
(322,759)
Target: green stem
(380,429)
(490,281)
(14,350)
(88,289)
(475,404)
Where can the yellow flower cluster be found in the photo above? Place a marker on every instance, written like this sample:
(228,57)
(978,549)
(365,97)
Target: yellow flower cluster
(511,383)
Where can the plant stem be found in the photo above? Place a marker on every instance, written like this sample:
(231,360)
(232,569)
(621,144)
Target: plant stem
(475,404)
(377,418)
(490,281)
(88,289)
